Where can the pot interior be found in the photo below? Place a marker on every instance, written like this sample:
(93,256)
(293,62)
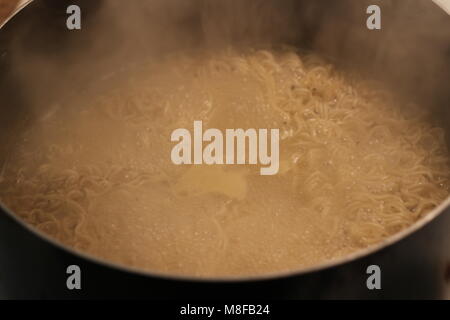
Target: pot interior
(42,64)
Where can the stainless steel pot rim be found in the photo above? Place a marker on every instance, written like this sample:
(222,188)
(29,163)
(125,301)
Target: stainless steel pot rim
(21,5)
(443,208)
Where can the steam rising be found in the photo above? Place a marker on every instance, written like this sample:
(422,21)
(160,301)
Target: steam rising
(42,62)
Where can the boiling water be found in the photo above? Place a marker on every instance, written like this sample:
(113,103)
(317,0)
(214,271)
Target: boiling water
(356,166)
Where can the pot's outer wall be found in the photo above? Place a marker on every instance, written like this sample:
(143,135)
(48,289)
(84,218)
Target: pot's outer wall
(32,268)
(415,268)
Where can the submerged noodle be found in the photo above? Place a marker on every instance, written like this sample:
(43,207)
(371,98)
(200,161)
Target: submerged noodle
(356,167)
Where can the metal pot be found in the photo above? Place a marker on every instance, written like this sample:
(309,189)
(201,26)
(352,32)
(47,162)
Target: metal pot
(41,62)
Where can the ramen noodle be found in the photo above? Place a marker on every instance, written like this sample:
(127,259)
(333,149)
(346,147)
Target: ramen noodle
(357,165)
